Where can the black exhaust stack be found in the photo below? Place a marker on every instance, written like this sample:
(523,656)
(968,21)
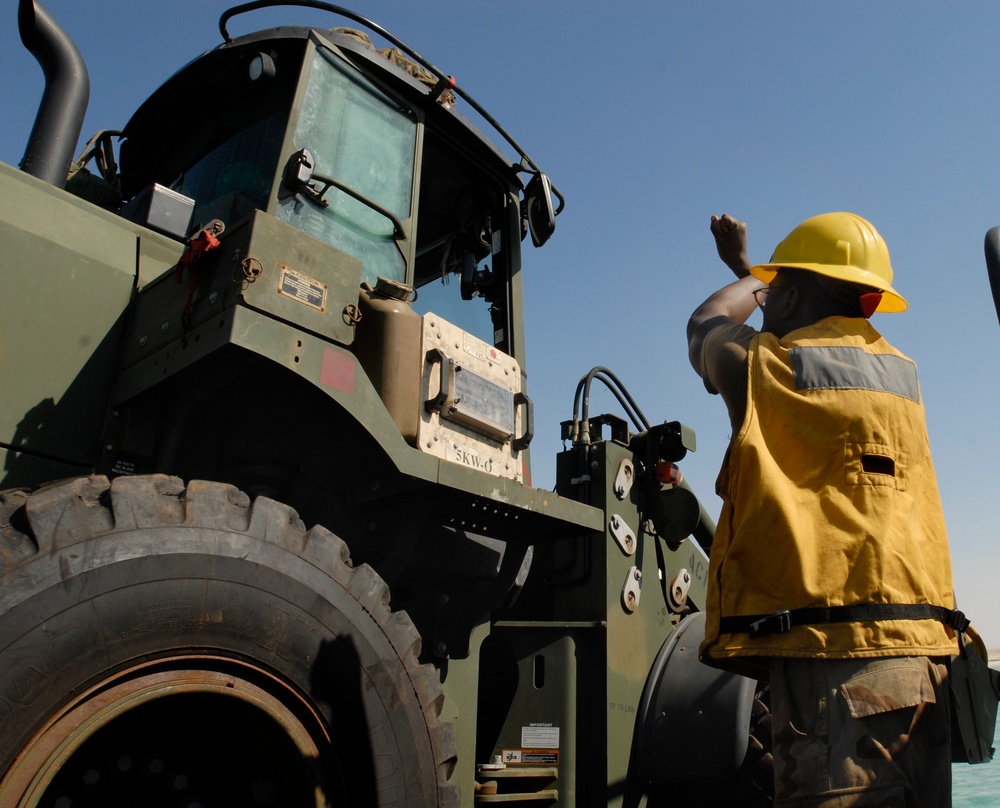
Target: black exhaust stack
(64,102)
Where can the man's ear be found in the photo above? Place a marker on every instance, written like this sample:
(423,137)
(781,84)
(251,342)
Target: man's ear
(791,301)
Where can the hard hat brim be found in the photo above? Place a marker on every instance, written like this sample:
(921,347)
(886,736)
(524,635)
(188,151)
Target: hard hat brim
(892,301)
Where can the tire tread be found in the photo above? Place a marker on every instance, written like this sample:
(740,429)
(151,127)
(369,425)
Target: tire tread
(61,514)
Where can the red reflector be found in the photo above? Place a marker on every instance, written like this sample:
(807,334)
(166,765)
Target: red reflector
(667,473)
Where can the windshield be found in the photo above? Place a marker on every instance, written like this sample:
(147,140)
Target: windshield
(366,140)
(456,231)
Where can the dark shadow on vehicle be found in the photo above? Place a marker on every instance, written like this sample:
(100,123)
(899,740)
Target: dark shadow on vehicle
(336,685)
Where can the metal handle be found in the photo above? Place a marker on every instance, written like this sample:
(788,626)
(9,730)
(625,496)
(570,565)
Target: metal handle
(445,399)
(529,425)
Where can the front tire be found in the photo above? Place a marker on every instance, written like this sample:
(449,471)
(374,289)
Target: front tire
(172,645)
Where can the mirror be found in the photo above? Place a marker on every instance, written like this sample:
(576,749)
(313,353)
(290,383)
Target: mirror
(539,210)
(993,264)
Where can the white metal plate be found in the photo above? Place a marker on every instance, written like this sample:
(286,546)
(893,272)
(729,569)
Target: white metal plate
(461,442)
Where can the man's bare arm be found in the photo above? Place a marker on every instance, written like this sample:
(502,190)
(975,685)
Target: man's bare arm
(733,303)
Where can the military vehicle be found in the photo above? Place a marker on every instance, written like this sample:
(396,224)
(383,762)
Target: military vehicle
(267,534)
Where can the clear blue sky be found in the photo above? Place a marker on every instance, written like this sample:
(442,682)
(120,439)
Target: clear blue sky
(651,117)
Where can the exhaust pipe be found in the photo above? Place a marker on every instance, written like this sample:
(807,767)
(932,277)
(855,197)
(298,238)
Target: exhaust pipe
(64,103)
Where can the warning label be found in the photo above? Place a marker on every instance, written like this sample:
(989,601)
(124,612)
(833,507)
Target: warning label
(540,736)
(531,757)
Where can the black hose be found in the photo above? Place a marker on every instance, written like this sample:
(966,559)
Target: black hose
(582,415)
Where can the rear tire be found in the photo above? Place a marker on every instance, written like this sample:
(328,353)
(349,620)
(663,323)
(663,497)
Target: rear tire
(172,645)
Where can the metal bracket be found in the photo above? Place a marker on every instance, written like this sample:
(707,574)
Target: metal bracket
(624,478)
(677,592)
(632,589)
(622,534)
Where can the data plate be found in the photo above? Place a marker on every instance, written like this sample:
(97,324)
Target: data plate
(302,288)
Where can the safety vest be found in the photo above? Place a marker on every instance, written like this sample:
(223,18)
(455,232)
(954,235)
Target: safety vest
(830,506)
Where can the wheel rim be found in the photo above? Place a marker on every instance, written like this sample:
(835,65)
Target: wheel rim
(202,708)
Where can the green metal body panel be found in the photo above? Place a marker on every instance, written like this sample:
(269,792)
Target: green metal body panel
(461,707)
(582,657)
(231,311)
(260,263)
(68,272)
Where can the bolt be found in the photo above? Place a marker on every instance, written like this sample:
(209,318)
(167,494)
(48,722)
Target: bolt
(165,327)
(442,648)
(638,575)
(629,542)
(213,297)
(143,340)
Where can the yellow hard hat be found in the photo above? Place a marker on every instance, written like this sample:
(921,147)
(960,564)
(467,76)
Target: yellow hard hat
(838,245)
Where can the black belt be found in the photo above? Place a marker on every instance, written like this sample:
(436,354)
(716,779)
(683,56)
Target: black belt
(757,625)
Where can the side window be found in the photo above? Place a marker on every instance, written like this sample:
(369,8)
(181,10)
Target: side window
(235,177)
(461,265)
(367,141)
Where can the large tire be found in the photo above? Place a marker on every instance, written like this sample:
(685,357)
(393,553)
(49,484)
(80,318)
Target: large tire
(182,646)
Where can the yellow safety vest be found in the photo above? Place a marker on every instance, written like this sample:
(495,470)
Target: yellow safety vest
(829,500)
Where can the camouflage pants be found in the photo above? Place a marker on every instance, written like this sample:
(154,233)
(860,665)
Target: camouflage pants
(861,733)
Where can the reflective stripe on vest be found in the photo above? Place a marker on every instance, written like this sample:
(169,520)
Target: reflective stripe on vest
(832,367)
